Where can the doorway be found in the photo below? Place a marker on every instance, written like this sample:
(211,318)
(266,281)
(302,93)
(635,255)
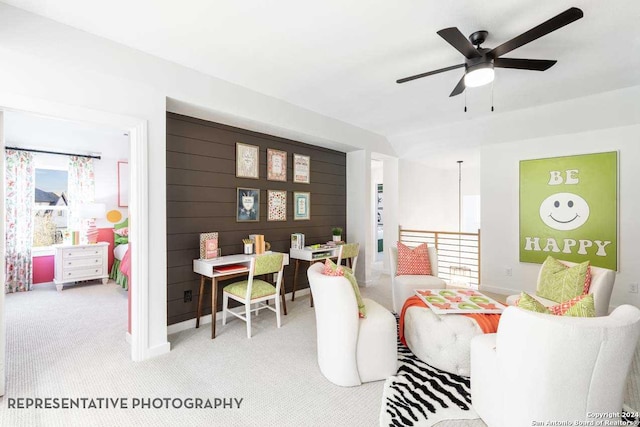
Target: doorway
(138,208)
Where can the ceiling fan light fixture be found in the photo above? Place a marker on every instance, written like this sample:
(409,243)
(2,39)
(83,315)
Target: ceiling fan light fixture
(479,75)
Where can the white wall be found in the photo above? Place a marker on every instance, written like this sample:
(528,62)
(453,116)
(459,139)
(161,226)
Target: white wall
(61,66)
(359,212)
(499,205)
(428,196)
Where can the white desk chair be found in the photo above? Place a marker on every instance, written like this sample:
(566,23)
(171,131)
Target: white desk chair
(255,291)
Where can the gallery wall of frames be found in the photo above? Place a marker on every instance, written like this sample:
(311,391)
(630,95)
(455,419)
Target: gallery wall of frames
(237,182)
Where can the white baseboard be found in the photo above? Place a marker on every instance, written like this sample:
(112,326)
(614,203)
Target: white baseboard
(158,350)
(205,320)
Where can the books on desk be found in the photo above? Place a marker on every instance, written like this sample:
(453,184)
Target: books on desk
(231,268)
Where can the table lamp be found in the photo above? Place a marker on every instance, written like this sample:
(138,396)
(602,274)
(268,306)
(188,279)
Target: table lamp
(91,211)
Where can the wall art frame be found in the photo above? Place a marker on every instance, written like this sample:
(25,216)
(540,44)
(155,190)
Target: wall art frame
(276,205)
(247,204)
(301,206)
(247,161)
(276,165)
(301,169)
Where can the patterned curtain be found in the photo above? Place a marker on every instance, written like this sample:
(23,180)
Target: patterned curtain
(81,188)
(19,194)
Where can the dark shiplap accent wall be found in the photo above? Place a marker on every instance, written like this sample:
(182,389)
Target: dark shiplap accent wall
(201,197)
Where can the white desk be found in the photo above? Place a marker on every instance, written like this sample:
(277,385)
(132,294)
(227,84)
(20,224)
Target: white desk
(310,255)
(206,268)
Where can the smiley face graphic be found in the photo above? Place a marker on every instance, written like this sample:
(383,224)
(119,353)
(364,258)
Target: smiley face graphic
(564,211)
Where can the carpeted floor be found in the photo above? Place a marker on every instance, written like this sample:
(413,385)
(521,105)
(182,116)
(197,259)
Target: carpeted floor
(72,344)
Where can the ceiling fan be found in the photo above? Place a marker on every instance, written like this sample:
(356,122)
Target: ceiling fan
(480,62)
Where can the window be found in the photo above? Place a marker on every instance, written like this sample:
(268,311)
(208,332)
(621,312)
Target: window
(51,211)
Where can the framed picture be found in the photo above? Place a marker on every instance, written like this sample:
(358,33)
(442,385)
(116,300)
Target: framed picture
(276,165)
(301,205)
(209,245)
(248,205)
(301,168)
(246,160)
(276,205)
(569,209)
(123,184)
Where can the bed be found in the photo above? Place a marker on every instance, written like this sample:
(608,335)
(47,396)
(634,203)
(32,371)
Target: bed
(120,253)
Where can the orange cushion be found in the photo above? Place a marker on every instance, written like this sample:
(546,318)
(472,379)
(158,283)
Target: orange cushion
(413,261)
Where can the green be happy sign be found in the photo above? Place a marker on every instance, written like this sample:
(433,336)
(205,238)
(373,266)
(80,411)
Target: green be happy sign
(569,209)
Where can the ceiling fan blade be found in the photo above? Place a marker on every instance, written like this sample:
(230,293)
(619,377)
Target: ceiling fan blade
(558,21)
(524,64)
(459,88)
(456,39)
(429,73)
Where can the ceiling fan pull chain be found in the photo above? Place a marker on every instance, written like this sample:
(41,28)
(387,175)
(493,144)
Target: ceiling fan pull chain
(465,101)
(492,83)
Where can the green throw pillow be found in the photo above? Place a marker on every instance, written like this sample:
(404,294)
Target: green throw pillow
(362,310)
(528,302)
(583,308)
(561,283)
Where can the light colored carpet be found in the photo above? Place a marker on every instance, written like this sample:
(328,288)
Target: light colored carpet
(72,344)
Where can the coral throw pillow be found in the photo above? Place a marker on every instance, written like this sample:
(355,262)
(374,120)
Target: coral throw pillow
(331,269)
(413,261)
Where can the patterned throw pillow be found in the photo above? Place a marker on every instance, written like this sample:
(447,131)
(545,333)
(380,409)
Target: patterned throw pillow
(331,269)
(413,261)
(563,307)
(561,283)
(585,307)
(587,282)
(528,302)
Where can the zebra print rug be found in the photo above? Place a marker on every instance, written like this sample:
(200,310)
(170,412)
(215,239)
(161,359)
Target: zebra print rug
(421,395)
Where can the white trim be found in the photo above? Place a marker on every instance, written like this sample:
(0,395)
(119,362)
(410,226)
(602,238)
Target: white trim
(127,338)
(158,350)
(138,236)
(205,320)
(3,335)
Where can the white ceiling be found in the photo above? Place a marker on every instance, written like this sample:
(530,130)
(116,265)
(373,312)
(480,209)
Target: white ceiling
(341,59)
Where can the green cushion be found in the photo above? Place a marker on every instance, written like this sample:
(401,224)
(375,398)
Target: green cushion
(350,250)
(259,289)
(268,263)
(583,308)
(362,310)
(118,239)
(559,283)
(528,302)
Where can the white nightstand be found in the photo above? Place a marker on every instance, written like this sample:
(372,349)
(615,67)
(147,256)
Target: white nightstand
(81,262)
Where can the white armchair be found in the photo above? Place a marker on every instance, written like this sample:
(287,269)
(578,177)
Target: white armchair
(602,281)
(351,350)
(403,287)
(541,367)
